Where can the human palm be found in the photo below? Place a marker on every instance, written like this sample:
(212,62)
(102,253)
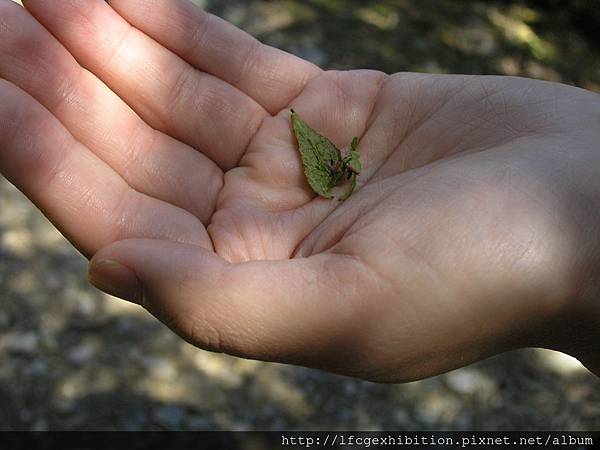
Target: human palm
(171,153)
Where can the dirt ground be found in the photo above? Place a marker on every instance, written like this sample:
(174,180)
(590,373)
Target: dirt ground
(73,358)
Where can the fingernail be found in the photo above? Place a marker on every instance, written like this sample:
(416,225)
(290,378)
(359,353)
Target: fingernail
(115,279)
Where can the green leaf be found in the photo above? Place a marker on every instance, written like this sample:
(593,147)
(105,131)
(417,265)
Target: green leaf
(319,157)
(353,159)
(323,164)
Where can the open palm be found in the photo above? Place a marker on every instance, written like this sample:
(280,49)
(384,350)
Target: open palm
(159,136)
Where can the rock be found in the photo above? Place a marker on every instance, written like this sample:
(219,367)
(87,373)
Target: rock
(219,368)
(199,423)
(200,3)
(37,368)
(170,417)
(4,317)
(40,424)
(159,368)
(402,418)
(18,242)
(436,409)
(470,382)
(134,422)
(53,280)
(83,353)
(313,54)
(350,388)
(87,305)
(561,363)
(22,343)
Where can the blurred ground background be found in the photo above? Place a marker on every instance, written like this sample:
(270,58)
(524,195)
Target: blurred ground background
(74,358)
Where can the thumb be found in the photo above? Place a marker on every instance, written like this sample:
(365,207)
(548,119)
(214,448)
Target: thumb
(300,311)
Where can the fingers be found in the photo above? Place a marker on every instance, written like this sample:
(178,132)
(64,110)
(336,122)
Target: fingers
(149,161)
(90,203)
(168,93)
(303,311)
(270,76)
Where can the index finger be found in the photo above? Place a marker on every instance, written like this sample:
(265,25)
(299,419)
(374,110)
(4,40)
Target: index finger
(270,76)
(168,93)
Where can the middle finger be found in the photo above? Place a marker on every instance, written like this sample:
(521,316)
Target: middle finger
(166,91)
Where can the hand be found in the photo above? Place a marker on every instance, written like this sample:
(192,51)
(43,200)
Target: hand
(165,151)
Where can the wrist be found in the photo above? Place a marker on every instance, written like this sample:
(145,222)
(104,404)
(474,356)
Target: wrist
(583,339)
(574,327)
(584,342)
(576,330)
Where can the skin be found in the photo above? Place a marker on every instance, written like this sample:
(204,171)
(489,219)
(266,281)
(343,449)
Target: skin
(167,155)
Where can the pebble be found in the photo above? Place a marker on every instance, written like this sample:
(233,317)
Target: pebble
(53,280)
(63,405)
(134,422)
(314,55)
(200,3)
(470,382)
(25,414)
(4,317)
(83,353)
(170,416)
(125,325)
(18,242)
(159,368)
(350,388)
(402,418)
(436,408)
(217,367)
(87,305)
(25,343)
(40,424)
(199,423)
(37,368)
